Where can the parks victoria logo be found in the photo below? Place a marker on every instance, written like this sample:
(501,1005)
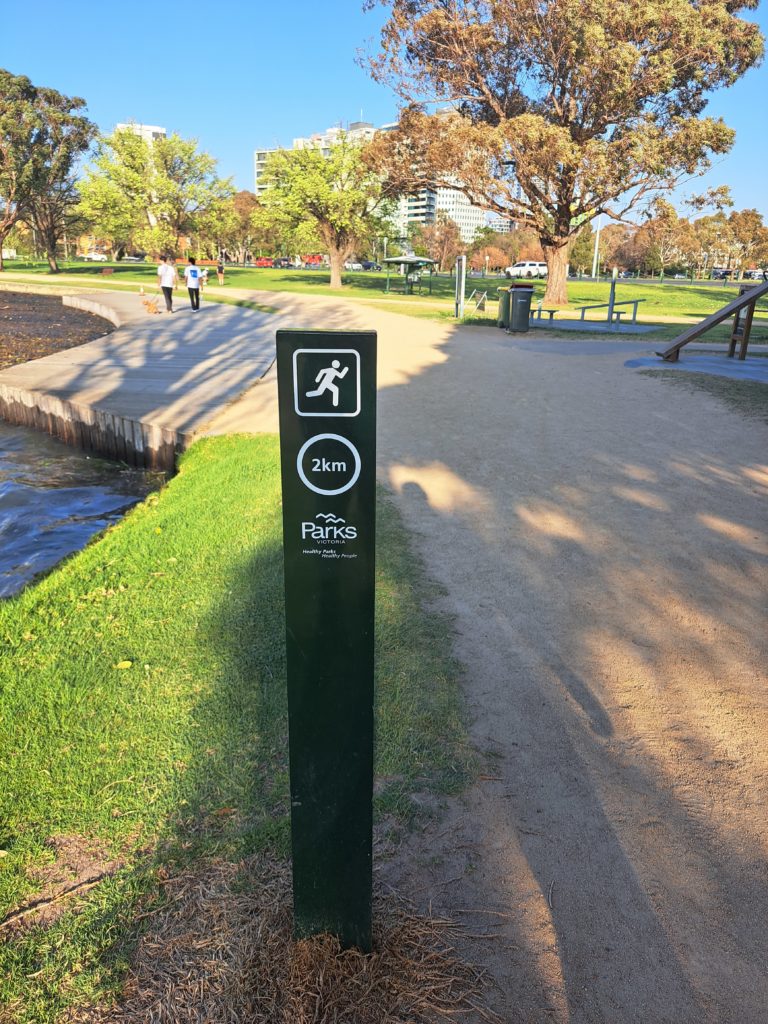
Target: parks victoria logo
(328,532)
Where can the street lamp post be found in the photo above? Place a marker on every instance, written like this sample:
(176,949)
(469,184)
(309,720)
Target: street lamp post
(596,256)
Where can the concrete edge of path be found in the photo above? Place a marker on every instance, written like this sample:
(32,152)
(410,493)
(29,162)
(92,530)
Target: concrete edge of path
(88,305)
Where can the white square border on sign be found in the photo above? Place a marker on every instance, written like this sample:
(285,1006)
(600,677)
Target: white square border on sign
(329,351)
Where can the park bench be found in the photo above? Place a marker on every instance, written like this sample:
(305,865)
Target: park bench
(107,270)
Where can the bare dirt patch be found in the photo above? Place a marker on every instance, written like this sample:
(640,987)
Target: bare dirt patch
(79,864)
(220,949)
(33,326)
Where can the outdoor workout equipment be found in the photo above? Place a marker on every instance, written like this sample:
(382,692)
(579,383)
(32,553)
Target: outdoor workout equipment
(614,315)
(742,309)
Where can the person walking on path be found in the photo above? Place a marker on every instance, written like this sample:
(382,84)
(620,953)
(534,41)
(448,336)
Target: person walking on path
(220,270)
(168,278)
(192,277)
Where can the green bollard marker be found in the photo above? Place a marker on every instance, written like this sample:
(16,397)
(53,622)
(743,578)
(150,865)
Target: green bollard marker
(327,401)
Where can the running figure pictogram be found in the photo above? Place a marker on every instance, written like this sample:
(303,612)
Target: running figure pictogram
(325,379)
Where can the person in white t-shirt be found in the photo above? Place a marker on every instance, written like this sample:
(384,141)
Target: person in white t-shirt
(168,278)
(192,277)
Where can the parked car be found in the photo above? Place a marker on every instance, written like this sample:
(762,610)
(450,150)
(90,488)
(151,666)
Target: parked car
(262,261)
(350,265)
(370,265)
(282,263)
(527,268)
(133,259)
(96,257)
(719,274)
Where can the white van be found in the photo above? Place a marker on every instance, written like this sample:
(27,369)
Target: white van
(527,268)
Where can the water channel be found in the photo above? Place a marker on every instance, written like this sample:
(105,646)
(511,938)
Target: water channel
(53,499)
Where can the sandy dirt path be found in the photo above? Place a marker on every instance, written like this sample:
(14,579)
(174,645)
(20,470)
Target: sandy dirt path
(602,539)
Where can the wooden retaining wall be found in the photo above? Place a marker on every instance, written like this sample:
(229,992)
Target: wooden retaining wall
(114,437)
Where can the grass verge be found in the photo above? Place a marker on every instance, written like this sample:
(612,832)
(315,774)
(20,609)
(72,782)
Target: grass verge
(142,687)
(658,299)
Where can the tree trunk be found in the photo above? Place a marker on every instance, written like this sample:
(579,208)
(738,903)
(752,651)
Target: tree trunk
(50,240)
(6,226)
(336,258)
(3,236)
(556,256)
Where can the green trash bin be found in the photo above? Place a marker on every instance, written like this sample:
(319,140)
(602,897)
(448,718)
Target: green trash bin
(520,307)
(502,317)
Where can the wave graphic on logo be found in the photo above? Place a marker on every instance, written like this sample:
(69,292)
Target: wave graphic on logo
(329,517)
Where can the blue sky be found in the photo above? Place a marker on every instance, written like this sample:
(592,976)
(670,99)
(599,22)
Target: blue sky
(241,75)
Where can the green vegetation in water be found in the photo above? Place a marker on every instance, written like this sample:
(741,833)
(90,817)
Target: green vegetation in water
(144,709)
(749,397)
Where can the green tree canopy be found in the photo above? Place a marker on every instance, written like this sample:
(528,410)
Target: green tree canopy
(153,194)
(339,197)
(587,107)
(582,250)
(41,137)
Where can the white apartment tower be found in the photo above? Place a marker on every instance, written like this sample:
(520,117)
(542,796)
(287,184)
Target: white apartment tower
(358,131)
(148,132)
(420,208)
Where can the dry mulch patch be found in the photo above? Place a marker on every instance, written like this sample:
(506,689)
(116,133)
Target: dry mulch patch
(32,326)
(220,950)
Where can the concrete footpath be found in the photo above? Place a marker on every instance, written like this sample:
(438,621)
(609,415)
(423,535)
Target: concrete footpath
(142,392)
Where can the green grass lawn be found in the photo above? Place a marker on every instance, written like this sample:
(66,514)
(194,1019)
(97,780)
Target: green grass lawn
(143,707)
(667,299)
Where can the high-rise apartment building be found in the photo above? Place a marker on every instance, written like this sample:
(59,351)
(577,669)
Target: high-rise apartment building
(148,132)
(420,208)
(358,131)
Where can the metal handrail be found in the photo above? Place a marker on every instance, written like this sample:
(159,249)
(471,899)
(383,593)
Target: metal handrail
(749,298)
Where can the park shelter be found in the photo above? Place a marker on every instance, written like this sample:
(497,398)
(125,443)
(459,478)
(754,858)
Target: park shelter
(411,269)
